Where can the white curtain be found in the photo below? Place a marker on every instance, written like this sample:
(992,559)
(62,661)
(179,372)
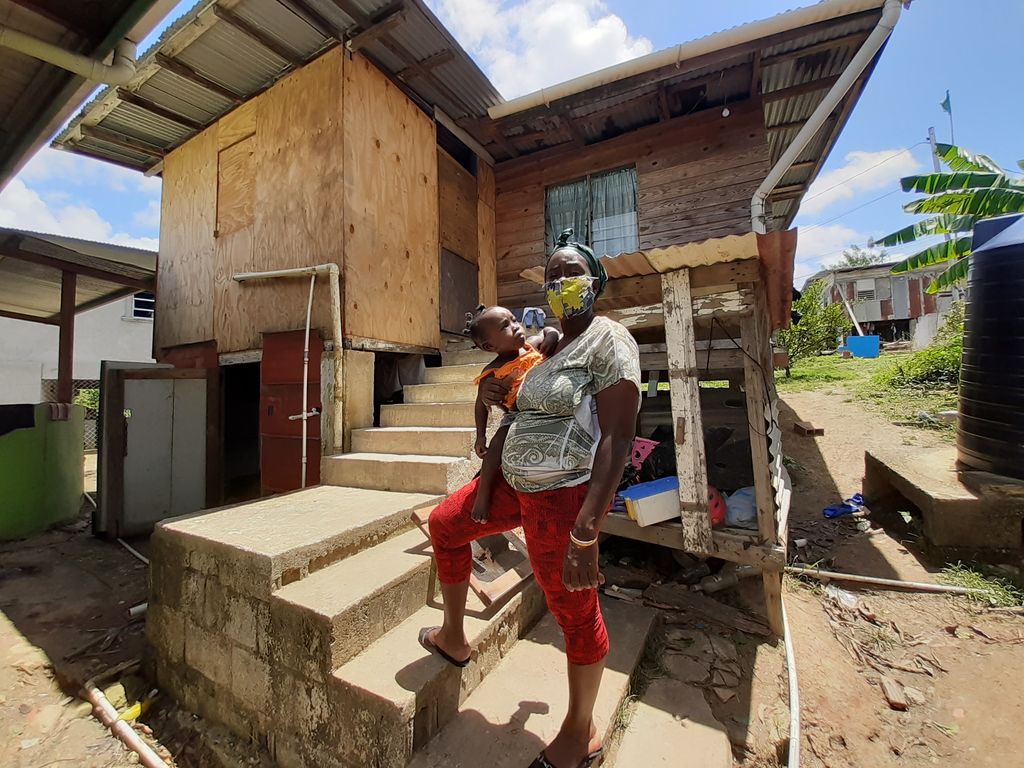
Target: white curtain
(613,208)
(567,206)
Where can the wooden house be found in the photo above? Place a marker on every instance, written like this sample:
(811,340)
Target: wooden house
(292,134)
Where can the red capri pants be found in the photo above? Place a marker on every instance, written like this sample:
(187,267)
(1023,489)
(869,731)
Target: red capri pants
(547,518)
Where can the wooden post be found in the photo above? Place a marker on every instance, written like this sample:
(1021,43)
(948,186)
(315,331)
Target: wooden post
(686,415)
(756,368)
(66,350)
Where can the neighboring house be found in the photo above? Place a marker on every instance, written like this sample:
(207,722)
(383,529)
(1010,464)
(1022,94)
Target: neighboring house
(895,307)
(394,159)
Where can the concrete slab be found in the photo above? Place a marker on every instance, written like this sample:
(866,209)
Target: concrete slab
(672,725)
(447,392)
(423,441)
(981,519)
(398,472)
(395,696)
(507,721)
(452,373)
(427,415)
(324,620)
(259,545)
(466,357)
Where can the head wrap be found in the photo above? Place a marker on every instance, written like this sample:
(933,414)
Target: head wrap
(596,267)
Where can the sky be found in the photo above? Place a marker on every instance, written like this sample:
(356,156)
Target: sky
(523,45)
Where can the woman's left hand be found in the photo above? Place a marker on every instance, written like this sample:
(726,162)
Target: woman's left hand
(581,568)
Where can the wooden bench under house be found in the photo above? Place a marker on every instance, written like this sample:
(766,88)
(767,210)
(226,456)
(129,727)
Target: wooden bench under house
(707,312)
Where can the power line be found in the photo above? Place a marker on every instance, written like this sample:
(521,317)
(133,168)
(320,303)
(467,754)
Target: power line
(861,173)
(847,213)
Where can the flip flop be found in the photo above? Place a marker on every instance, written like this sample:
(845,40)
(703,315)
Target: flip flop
(543,762)
(429,646)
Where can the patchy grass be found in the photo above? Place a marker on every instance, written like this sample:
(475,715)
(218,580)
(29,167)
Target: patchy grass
(1001,593)
(868,380)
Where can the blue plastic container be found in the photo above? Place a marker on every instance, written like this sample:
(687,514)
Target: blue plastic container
(863,346)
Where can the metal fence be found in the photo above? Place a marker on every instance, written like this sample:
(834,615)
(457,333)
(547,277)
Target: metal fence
(84,392)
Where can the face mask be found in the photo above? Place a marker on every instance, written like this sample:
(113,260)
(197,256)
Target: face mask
(571,296)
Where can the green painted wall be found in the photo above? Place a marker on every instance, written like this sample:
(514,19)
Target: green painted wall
(41,473)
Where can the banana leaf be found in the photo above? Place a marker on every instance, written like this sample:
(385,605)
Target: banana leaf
(955,274)
(934,183)
(936,225)
(936,254)
(984,202)
(960,159)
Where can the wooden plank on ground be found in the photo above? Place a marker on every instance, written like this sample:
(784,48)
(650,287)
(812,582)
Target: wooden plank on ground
(807,429)
(686,413)
(674,596)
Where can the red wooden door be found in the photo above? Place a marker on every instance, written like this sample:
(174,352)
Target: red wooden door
(281,397)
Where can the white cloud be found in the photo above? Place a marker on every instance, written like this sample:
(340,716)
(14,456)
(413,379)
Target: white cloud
(149,217)
(71,169)
(816,246)
(21,207)
(863,172)
(530,44)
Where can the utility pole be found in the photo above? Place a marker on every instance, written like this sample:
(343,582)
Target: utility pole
(935,149)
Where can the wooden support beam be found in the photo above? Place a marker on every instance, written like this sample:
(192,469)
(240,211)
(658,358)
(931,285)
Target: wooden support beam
(855,38)
(383,26)
(421,68)
(663,110)
(125,142)
(153,108)
(66,349)
(183,70)
(796,125)
(442,117)
(574,130)
(755,74)
(686,413)
(53,257)
(29,318)
(313,17)
(249,29)
(788,191)
(800,90)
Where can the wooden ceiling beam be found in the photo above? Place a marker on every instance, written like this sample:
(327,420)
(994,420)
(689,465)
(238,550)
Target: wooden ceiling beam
(125,142)
(129,97)
(419,69)
(375,31)
(802,89)
(28,318)
(249,29)
(855,38)
(11,248)
(796,124)
(663,111)
(183,70)
(313,17)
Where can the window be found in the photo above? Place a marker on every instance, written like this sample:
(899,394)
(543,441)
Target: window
(866,290)
(600,208)
(143,306)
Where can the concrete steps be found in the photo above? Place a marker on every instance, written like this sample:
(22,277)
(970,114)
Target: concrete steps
(427,415)
(519,707)
(466,357)
(397,696)
(452,373)
(422,441)
(399,472)
(327,618)
(446,392)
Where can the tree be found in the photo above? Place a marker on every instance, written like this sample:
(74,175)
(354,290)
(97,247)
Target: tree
(974,188)
(820,326)
(855,256)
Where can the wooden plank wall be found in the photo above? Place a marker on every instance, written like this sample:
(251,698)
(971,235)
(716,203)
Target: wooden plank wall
(299,176)
(390,213)
(457,196)
(485,218)
(695,178)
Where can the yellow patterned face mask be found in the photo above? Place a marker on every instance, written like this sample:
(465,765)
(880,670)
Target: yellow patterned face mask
(571,296)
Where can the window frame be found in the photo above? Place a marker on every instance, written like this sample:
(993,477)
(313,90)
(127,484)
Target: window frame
(550,236)
(133,309)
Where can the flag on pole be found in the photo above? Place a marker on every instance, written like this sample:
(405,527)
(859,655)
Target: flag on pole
(947,107)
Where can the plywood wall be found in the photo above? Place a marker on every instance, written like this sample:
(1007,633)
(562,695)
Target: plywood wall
(390,213)
(695,178)
(485,235)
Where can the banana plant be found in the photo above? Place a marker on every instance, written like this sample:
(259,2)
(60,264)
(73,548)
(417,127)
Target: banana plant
(974,188)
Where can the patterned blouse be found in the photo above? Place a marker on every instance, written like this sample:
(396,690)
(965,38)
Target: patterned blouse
(553,439)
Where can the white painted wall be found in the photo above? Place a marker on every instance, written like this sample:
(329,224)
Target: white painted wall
(28,351)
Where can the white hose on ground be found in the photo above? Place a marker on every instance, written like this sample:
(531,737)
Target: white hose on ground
(917,586)
(793,760)
(106,714)
(138,555)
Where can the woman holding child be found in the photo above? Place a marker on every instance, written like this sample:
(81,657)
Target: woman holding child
(567,437)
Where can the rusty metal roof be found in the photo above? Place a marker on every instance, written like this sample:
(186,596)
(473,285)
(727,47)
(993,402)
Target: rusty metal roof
(36,97)
(224,52)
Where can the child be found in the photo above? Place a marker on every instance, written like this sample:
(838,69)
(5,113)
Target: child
(494,329)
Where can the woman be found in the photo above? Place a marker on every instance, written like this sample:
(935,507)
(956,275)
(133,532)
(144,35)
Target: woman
(562,462)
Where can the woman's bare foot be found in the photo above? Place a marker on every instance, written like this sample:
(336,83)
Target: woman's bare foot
(569,748)
(456,647)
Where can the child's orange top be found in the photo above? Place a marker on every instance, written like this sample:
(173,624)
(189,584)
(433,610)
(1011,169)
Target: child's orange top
(516,369)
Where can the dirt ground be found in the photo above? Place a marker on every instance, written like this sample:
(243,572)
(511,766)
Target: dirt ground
(66,591)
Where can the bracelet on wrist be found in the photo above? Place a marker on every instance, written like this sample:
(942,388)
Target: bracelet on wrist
(580,543)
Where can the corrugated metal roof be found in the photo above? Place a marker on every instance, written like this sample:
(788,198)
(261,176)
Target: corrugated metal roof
(209,42)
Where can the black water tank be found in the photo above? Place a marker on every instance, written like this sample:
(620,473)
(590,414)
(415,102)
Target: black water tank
(991,434)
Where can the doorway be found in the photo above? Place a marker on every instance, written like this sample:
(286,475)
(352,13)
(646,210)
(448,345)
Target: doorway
(241,409)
